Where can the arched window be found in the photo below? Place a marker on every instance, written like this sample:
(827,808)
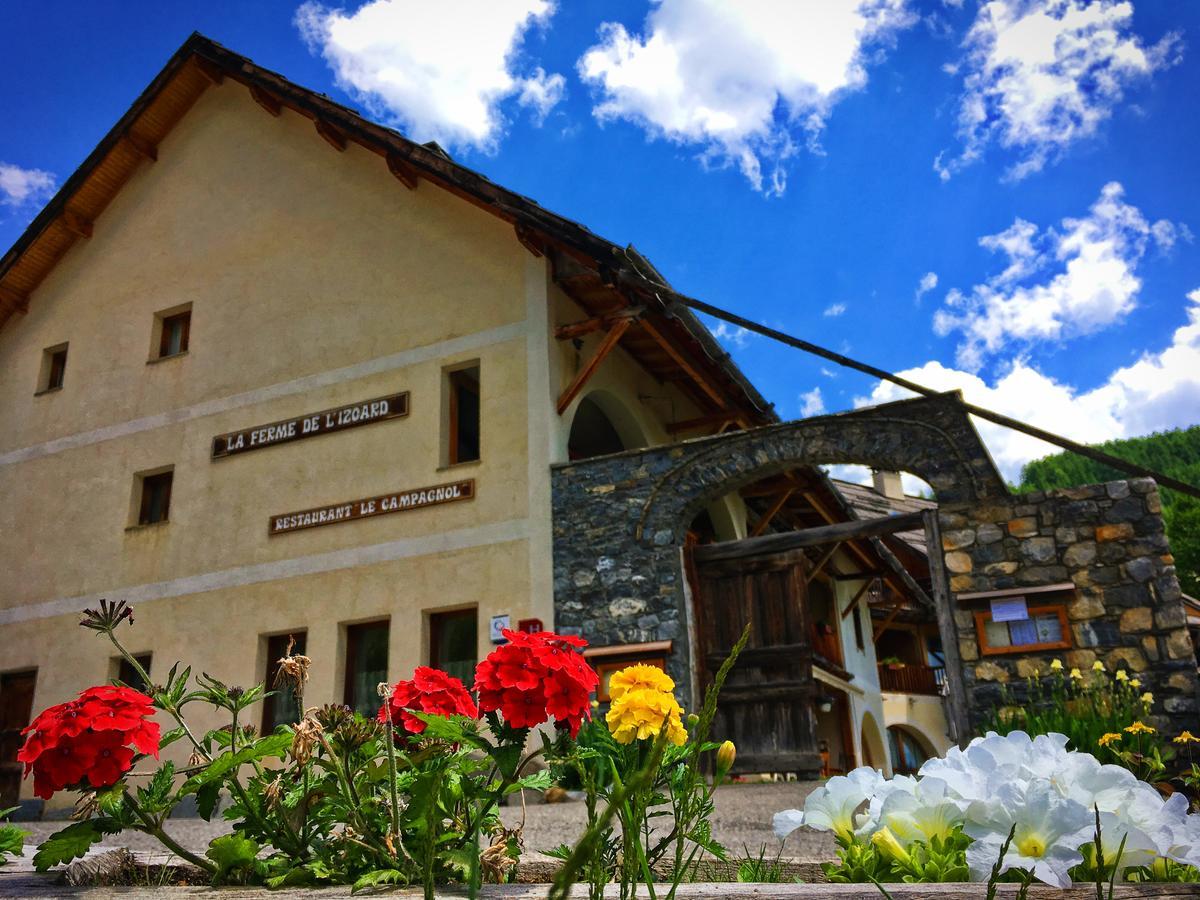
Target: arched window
(906,750)
(592,432)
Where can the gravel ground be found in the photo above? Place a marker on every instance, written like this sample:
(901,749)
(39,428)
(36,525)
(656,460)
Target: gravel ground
(743,817)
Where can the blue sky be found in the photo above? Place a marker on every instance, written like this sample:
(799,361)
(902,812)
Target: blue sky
(996,196)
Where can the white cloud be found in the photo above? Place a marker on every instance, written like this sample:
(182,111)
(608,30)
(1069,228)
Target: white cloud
(927,283)
(1159,391)
(811,403)
(835,309)
(19,187)
(828,372)
(441,71)
(1039,75)
(728,334)
(1088,281)
(741,81)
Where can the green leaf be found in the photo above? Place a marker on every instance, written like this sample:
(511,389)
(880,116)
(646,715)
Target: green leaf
(206,800)
(71,842)
(272,745)
(536,781)
(12,841)
(171,737)
(111,802)
(155,796)
(232,851)
(377,878)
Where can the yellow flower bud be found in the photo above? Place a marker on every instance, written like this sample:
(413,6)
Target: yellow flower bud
(1097,666)
(888,845)
(1056,665)
(1076,674)
(726,754)
(1134,683)
(1121,676)
(1148,698)
(693,720)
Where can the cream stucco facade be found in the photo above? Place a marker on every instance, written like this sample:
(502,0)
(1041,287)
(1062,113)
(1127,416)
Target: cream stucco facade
(315,280)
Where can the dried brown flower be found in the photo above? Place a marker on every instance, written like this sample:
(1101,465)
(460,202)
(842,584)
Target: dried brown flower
(308,733)
(273,792)
(86,806)
(292,671)
(495,861)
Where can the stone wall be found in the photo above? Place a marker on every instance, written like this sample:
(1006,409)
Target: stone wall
(1126,611)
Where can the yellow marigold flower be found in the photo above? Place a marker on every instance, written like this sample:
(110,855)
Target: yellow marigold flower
(642,713)
(1076,674)
(1147,698)
(639,676)
(1097,666)
(1111,738)
(1056,665)
(1186,737)
(1139,727)
(1121,676)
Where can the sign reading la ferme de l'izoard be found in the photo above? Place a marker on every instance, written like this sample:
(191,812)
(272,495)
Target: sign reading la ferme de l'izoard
(365,412)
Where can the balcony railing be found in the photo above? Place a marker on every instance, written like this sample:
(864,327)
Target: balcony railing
(909,679)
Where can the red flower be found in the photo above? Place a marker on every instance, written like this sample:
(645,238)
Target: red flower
(535,677)
(430,691)
(85,742)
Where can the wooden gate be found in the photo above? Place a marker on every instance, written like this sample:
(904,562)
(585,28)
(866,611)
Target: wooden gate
(16,706)
(766,706)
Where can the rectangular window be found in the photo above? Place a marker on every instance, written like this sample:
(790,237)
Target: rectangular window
(54,368)
(127,674)
(175,334)
(1045,628)
(453,643)
(16,707)
(281,708)
(858,626)
(462,415)
(366,665)
(156,497)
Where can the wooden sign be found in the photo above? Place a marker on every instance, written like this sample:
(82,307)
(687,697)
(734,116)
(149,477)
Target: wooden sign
(402,501)
(365,412)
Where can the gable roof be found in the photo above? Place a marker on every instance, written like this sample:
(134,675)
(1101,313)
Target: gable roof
(608,281)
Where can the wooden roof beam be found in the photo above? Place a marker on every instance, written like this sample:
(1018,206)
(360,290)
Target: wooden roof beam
(761,525)
(528,240)
(403,172)
(809,537)
(858,596)
(714,421)
(681,361)
(140,146)
(14,299)
(581,378)
(825,558)
(332,136)
(597,323)
(266,100)
(209,69)
(76,224)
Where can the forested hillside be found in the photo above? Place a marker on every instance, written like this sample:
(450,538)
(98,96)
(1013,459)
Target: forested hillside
(1174,453)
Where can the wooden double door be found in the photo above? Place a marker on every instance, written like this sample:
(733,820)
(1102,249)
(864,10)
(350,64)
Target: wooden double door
(767,705)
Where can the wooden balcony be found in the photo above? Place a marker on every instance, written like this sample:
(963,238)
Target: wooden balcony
(910,679)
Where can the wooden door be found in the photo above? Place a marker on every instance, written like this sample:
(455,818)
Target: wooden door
(766,706)
(16,708)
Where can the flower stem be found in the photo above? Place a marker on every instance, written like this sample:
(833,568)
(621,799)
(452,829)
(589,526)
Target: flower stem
(155,829)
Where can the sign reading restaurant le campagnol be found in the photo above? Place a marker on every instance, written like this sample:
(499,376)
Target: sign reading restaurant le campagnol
(365,412)
(401,501)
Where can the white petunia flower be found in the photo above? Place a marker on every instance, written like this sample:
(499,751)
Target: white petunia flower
(923,814)
(1140,849)
(867,822)
(832,806)
(1046,838)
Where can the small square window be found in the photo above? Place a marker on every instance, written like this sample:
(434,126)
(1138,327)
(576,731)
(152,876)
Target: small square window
(156,497)
(127,674)
(462,415)
(174,337)
(453,643)
(54,368)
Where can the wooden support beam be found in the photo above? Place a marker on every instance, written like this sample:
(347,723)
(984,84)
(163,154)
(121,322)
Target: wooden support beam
(681,361)
(266,100)
(209,69)
(809,537)
(825,557)
(76,223)
(15,299)
(140,146)
(866,585)
(331,135)
(883,626)
(761,525)
(581,378)
(714,421)
(528,240)
(403,172)
(597,323)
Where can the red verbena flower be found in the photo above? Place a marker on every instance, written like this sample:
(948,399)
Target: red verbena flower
(430,691)
(86,742)
(536,677)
